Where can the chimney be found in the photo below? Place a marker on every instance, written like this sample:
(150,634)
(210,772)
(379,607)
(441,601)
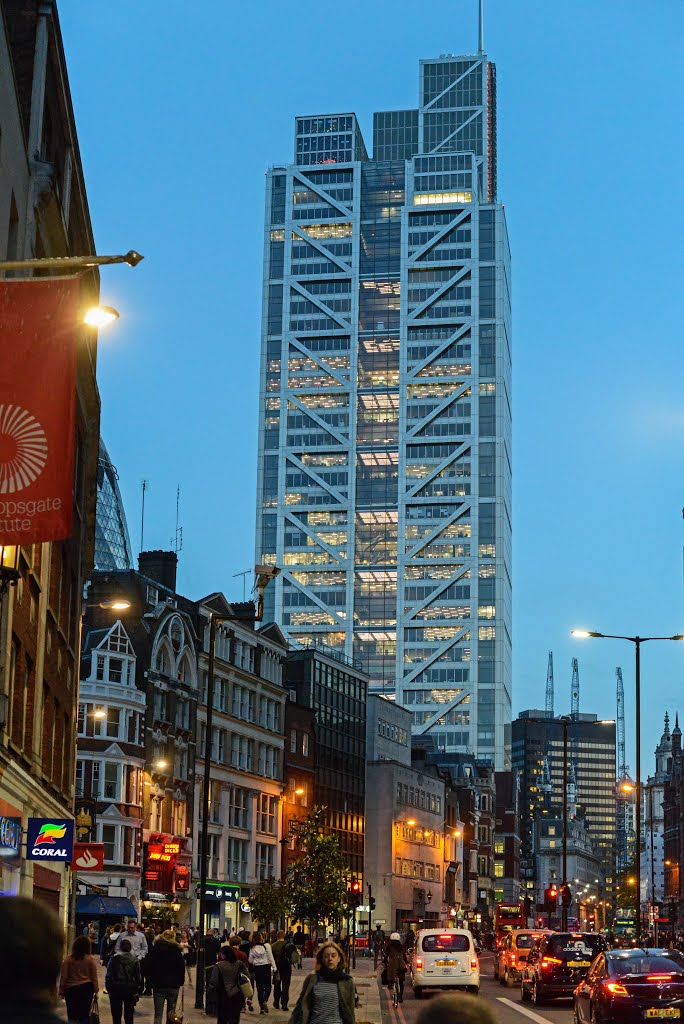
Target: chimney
(159,566)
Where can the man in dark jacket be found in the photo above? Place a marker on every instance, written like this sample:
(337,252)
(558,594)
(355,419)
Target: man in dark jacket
(123,983)
(283,953)
(166,973)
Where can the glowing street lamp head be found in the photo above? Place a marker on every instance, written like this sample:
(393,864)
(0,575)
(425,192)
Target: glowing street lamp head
(580,634)
(100,316)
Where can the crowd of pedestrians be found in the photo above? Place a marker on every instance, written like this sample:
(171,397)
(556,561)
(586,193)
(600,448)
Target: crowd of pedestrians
(138,961)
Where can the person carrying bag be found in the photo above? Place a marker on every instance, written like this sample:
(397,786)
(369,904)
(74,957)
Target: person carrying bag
(229,987)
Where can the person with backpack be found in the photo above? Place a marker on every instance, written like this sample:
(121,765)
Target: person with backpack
(224,990)
(395,964)
(123,981)
(283,953)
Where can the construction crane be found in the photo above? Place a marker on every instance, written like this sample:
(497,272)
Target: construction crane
(549,687)
(574,691)
(622,768)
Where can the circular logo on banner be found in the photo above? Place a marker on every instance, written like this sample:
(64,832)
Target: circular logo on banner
(23,449)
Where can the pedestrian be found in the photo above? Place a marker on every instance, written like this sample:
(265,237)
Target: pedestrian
(328,994)
(224,986)
(234,943)
(245,944)
(149,938)
(78,980)
(212,947)
(378,945)
(261,959)
(299,939)
(31,950)
(284,952)
(123,982)
(456,1009)
(109,943)
(166,973)
(395,963)
(137,940)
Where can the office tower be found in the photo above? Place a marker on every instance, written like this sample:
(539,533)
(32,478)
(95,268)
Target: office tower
(537,754)
(384,484)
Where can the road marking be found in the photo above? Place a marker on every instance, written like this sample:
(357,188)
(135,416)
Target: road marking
(523,1009)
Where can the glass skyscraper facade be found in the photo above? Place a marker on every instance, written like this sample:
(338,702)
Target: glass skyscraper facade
(384,484)
(112,542)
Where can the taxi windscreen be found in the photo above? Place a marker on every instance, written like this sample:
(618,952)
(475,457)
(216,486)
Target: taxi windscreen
(446,943)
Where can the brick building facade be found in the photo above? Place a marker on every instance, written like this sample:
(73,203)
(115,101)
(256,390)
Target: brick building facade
(44,212)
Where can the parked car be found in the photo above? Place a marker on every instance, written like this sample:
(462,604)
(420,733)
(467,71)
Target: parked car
(510,960)
(631,986)
(444,959)
(554,968)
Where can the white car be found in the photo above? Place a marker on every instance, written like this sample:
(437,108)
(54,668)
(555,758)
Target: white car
(445,958)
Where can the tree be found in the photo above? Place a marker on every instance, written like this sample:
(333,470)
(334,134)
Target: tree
(317,881)
(270,903)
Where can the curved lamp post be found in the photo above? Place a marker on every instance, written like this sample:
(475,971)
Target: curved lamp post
(583,634)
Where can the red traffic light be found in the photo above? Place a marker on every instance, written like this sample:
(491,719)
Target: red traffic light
(355,885)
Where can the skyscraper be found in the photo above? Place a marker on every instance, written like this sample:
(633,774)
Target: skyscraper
(537,751)
(384,484)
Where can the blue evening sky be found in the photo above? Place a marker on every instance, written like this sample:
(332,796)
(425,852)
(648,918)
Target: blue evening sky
(181,108)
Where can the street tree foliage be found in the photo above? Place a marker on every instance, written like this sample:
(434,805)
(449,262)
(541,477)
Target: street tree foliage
(318,880)
(270,903)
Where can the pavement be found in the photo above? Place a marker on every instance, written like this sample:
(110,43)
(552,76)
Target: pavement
(369,1010)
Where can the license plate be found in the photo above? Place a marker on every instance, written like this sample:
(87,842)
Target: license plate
(666,1011)
(446,970)
(447,963)
(579,963)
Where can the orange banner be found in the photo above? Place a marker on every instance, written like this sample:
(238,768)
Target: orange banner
(38,338)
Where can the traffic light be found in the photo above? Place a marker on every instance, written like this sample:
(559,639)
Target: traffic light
(566,895)
(371,903)
(551,899)
(355,892)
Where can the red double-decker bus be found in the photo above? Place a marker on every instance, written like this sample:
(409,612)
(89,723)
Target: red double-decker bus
(508,917)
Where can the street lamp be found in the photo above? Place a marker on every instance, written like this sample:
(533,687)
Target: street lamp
(264,574)
(582,634)
(100,316)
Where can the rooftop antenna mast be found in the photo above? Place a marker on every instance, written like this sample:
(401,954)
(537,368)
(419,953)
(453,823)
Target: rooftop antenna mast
(574,691)
(480,31)
(145,486)
(549,687)
(178,541)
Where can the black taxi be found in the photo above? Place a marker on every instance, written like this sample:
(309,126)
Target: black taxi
(555,968)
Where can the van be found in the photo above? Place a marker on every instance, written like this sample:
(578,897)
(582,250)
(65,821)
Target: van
(444,958)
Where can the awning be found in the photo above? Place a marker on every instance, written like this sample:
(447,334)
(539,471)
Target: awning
(105,906)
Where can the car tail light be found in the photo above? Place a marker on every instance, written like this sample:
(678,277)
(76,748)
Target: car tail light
(615,988)
(549,961)
(473,964)
(419,963)
(658,977)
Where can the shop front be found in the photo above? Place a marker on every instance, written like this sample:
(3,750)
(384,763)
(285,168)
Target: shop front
(166,880)
(222,902)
